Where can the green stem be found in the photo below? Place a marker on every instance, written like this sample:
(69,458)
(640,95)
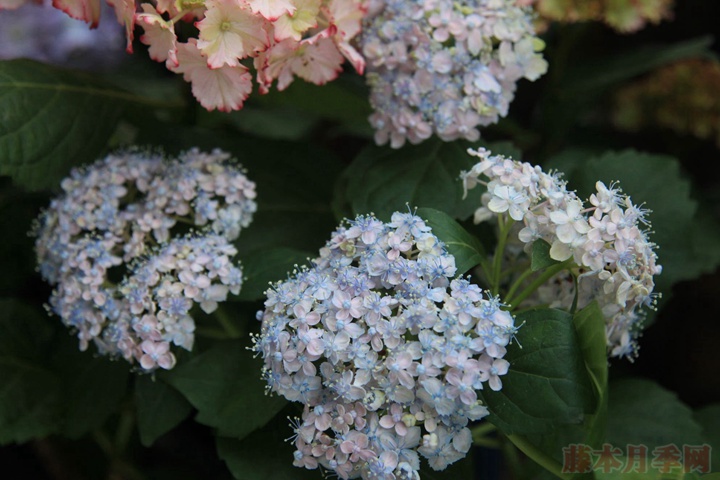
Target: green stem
(210,332)
(512,458)
(487,442)
(103,442)
(184,220)
(126,471)
(541,458)
(573,308)
(119,467)
(224,320)
(504,228)
(518,267)
(482,429)
(518,282)
(124,431)
(479,435)
(544,277)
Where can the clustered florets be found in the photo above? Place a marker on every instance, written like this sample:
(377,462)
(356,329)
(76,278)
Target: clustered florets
(284,38)
(118,215)
(442,67)
(614,258)
(625,16)
(385,350)
(309,39)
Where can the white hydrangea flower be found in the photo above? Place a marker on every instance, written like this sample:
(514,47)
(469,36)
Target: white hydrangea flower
(615,260)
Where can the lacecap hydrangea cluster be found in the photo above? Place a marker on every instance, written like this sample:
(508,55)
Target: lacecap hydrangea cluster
(445,68)
(607,240)
(117,218)
(385,350)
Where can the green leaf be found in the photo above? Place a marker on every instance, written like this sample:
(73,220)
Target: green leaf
(382,180)
(280,123)
(263,456)
(51,120)
(18,211)
(160,408)
(656,182)
(547,383)
(224,385)
(589,323)
(24,330)
(293,200)
(581,88)
(642,412)
(709,418)
(466,248)
(52,387)
(266,266)
(348,91)
(601,73)
(540,256)
(29,401)
(93,388)
(590,327)
(29,392)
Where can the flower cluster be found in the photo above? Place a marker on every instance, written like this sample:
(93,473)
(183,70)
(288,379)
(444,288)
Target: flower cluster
(444,67)
(606,241)
(121,279)
(680,97)
(385,350)
(309,39)
(285,38)
(625,16)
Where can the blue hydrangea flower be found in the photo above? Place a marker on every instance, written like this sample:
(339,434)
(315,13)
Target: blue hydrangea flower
(387,360)
(119,213)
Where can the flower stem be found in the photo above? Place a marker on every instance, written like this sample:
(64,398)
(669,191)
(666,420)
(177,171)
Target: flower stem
(124,431)
(504,231)
(210,332)
(224,320)
(184,220)
(518,282)
(544,277)
(479,435)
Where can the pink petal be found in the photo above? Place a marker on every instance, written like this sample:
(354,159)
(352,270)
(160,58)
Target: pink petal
(223,88)
(86,10)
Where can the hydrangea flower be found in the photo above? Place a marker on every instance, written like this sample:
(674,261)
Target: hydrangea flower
(625,16)
(120,215)
(445,68)
(385,350)
(284,38)
(678,97)
(606,240)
